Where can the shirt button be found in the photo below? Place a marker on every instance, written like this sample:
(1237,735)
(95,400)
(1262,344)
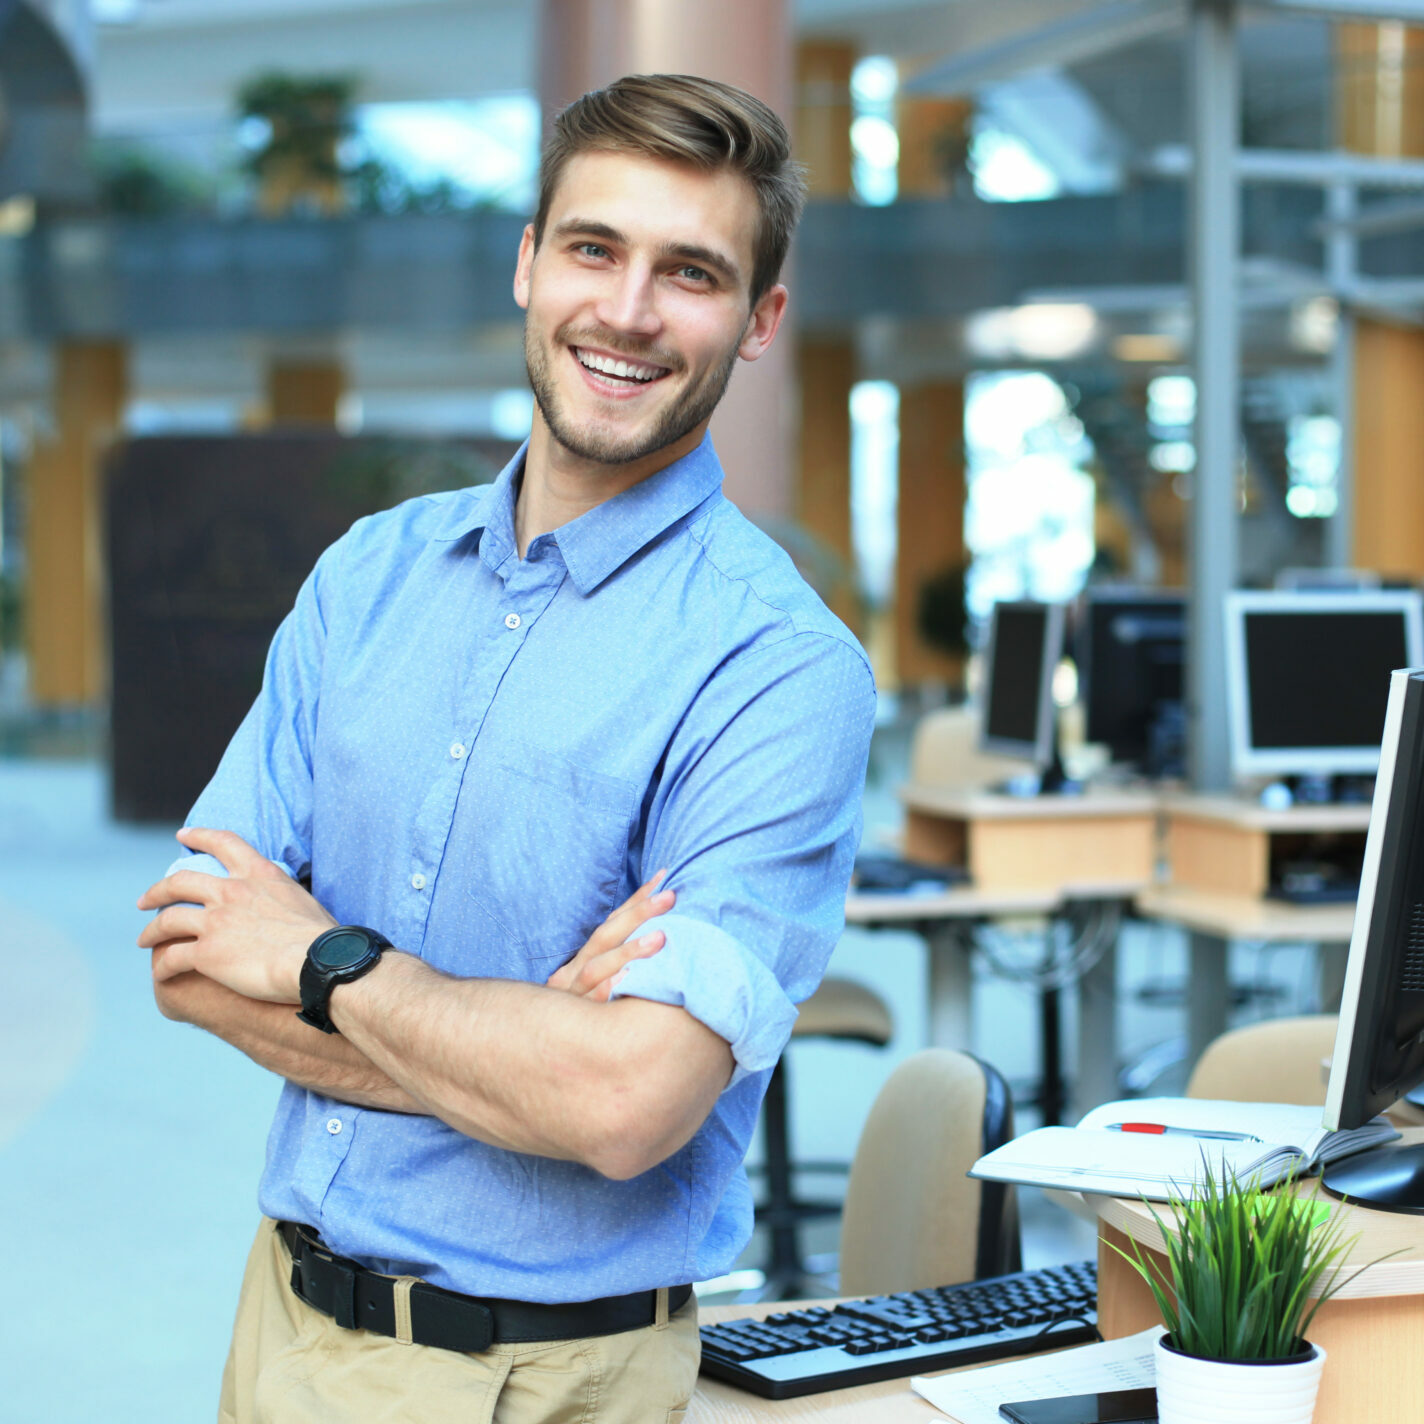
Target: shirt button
(417,881)
(512,620)
(333,1125)
(457,750)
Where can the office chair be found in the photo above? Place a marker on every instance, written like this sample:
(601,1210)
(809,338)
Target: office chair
(912,1218)
(1275,1061)
(839,1009)
(944,751)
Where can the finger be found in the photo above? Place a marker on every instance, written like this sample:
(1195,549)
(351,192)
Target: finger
(625,921)
(172,959)
(176,922)
(647,888)
(192,885)
(237,856)
(596,973)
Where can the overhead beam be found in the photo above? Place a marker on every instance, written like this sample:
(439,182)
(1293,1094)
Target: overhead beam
(1377,222)
(1410,13)
(1074,38)
(1298,167)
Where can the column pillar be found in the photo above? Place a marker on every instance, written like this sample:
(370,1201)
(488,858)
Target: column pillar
(930,519)
(63,542)
(585,44)
(823,116)
(1215,73)
(826,371)
(1388,436)
(934,145)
(825,362)
(1381,112)
(304,392)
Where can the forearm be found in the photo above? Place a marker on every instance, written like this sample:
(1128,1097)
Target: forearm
(272,1035)
(617,1086)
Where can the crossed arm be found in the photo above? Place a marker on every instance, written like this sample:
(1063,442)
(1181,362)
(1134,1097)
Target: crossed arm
(548,1069)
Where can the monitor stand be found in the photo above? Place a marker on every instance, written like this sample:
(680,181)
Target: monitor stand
(1383,1179)
(1051,780)
(1324,789)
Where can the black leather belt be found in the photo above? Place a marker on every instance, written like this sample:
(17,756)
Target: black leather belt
(358,1299)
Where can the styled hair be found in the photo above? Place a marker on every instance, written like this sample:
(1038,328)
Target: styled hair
(686,119)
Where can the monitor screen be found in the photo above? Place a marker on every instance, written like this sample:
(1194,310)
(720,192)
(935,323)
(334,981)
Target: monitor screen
(1131,651)
(1025,643)
(1308,677)
(1379,1045)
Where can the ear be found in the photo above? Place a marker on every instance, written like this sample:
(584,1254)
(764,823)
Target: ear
(763,323)
(524,266)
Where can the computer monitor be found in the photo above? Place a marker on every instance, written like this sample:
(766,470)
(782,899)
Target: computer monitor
(1307,676)
(1025,644)
(1131,648)
(1379,1046)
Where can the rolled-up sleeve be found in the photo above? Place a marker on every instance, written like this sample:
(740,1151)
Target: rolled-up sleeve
(756,818)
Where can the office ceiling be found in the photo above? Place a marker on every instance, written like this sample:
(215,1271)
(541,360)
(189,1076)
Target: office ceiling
(175,64)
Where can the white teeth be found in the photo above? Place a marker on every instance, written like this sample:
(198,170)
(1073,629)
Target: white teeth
(607,366)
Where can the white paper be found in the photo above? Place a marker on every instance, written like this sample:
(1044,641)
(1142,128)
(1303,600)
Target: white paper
(974,1396)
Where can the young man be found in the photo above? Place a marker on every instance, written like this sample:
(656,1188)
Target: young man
(491,715)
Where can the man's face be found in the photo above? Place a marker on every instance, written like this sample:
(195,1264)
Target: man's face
(638,304)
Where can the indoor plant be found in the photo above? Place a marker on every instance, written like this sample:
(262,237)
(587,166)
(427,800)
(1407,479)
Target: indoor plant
(1235,1293)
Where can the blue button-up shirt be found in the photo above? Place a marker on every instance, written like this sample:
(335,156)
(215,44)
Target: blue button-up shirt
(481,756)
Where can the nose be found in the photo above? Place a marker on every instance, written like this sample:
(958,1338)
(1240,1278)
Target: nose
(629,302)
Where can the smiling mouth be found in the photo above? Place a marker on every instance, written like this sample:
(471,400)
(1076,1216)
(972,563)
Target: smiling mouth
(618,368)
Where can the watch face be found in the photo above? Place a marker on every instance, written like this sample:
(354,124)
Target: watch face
(342,949)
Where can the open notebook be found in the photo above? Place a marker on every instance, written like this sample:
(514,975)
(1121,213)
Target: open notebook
(1264,1140)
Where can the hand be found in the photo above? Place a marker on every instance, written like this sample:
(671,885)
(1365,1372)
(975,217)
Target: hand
(249,932)
(598,965)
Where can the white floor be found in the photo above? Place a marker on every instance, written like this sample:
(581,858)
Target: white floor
(130,1147)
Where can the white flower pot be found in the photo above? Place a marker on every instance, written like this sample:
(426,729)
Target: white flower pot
(1195,1391)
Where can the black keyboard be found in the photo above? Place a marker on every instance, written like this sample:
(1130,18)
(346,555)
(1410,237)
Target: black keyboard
(797,1352)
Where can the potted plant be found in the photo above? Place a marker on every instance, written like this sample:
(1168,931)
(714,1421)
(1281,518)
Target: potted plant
(1245,1272)
(304,118)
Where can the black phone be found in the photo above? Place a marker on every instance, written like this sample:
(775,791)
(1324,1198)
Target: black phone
(1118,1406)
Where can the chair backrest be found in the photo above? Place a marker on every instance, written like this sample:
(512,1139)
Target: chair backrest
(1276,1061)
(912,1218)
(945,752)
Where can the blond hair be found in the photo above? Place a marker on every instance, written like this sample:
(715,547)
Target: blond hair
(686,119)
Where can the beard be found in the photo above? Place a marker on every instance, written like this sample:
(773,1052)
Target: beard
(685,414)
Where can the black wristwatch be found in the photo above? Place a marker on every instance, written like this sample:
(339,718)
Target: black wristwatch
(336,957)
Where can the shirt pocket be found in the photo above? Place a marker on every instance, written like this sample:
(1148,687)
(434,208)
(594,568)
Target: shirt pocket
(550,849)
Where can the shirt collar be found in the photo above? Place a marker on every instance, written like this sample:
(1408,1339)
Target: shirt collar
(608,535)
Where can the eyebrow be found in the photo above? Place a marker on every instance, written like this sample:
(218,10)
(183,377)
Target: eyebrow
(682,251)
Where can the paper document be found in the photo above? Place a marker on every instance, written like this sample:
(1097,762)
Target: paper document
(974,1396)
(1151,1146)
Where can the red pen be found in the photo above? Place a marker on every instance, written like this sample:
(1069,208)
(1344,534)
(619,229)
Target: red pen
(1159,1129)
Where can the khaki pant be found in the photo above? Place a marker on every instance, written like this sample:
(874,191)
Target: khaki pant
(290,1364)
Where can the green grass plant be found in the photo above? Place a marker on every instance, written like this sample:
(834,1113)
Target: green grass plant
(1241,1267)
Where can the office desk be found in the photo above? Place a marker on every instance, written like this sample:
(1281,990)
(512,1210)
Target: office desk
(946,920)
(1025,856)
(1053,843)
(1220,851)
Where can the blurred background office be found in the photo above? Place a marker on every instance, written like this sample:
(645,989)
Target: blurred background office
(1086,294)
